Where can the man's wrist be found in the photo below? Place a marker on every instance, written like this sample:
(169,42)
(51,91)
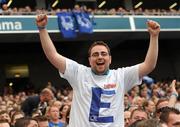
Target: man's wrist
(174,94)
(41,27)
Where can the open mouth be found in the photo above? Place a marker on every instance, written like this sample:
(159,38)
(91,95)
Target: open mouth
(100,63)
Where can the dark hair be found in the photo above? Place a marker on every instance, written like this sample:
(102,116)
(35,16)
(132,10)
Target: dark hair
(3,112)
(98,43)
(67,113)
(134,124)
(3,121)
(41,118)
(16,113)
(46,91)
(149,123)
(23,122)
(141,109)
(145,103)
(165,112)
(160,101)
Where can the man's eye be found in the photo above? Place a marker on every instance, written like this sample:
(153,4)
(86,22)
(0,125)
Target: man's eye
(104,54)
(95,54)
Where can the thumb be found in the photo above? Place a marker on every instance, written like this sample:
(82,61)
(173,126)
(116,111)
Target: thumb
(173,85)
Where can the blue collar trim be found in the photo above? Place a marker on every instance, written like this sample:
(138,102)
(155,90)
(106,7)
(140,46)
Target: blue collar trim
(105,73)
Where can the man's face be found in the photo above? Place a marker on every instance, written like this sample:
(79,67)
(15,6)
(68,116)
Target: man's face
(48,96)
(54,113)
(5,116)
(151,106)
(174,120)
(126,101)
(139,115)
(99,59)
(127,115)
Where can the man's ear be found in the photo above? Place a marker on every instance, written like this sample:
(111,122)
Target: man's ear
(89,58)
(110,59)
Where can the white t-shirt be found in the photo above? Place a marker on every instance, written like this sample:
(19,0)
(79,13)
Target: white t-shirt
(98,101)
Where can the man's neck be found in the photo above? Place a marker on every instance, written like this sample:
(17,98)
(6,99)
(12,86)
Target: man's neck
(104,73)
(55,121)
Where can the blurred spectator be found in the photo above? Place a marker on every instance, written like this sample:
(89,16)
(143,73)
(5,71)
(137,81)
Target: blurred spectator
(51,87)
(149,107)
(36,113)
(126,102)
(42,121)
(177,104)
(138,114)
(54,120)
(149,123)
(144,92)
(138,101)
(163,102)
(64,113)
(127,115)
(26,122)
(4,123)
(17,115)
(77,8)
(5,116)
(148,80)
(58,104)
(170,116)
(5,9)
(37,102)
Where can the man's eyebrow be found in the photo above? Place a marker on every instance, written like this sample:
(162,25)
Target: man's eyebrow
(99,52)
(177,123)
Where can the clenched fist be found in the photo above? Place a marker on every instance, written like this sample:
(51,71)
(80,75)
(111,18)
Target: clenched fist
(153,27)
(41,20)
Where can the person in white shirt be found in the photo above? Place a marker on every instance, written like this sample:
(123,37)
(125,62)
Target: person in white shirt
(98,91)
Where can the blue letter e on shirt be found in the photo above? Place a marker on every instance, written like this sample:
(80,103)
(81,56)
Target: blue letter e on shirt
(96,104)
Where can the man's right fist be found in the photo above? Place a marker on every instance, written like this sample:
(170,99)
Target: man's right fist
(41,20)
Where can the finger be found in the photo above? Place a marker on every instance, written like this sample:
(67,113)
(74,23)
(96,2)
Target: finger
(152,24)
(41,17)
(173,83)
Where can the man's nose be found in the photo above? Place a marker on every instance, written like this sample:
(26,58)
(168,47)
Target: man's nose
(100,55)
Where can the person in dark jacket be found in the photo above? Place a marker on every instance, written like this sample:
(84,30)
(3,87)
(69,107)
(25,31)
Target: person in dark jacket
(38,102)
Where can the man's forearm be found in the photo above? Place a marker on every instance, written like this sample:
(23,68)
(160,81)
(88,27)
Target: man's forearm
(46,43)
(151,57)
(152,54)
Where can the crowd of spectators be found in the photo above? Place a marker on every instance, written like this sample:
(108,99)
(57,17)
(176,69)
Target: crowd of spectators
(153,102)
(148,105)
(48,108)
(27,10)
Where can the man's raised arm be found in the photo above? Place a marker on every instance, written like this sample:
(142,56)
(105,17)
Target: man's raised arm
(49,49)
(151,57)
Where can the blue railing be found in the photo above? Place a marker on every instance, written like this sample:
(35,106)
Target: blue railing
(101,23)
